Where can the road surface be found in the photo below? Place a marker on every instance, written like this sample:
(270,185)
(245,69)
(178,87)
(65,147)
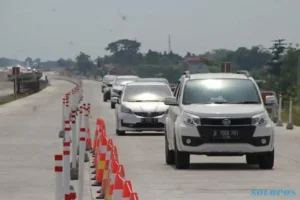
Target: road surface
(214,178)
(28,141)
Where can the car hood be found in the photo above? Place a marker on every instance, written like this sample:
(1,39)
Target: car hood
(146,106)
(224,110)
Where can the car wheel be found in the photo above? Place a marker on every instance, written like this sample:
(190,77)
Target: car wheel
(169,154)
(182,159)
(104,98)
(266,160)
(252,159)
(112,105)
(120,132)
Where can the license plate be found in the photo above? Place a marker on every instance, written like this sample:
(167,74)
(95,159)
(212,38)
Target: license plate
(149,120)
(226,134)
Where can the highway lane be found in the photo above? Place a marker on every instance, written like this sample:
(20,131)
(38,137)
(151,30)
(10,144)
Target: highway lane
(209,177)
(28,141)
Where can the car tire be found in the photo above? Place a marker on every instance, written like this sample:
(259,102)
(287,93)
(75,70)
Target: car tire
(120,132)
(104,98)
(169,154)
(112,105)
(252,159)
(182,159)
(266,160)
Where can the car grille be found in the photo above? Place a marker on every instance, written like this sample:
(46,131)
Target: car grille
(148,114)
(109,85)
(219,121)
(119,92)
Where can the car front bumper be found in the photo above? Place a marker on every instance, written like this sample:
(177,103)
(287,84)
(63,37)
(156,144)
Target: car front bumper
(195,140)
(132,122)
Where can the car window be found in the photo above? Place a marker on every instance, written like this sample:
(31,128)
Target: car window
(138,93)
(109,78)
(124,81)
(230,91)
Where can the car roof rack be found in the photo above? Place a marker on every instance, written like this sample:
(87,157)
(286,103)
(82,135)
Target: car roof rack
(245,72)
(187,74)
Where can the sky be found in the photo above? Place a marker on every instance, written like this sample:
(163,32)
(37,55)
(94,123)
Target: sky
(51,29)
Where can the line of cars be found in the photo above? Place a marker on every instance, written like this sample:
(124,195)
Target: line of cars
(213,114)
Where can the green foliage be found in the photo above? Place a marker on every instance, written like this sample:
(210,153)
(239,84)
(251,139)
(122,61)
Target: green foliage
(84,63)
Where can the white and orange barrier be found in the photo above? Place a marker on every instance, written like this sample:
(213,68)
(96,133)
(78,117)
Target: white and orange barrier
(77,143)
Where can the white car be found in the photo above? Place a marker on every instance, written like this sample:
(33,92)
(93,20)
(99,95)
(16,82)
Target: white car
(118,86)
(163,80)
(141,107)
(219,114)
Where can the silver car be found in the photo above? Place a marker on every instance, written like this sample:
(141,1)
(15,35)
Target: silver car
(118,86)
(141,107)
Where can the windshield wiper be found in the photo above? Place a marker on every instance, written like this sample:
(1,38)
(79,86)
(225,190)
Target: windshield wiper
(247,102)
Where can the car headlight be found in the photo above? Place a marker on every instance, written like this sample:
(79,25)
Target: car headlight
(190,119)
(260,119)
(124,109)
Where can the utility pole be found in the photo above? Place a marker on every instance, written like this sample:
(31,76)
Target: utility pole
(169,43)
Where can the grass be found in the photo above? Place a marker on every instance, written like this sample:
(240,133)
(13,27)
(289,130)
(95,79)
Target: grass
(295,113)
(9,98)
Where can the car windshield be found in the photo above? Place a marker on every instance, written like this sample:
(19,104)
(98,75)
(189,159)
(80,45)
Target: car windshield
(140,93)
(109,78)
(124,81)
(220,91)
(153,80)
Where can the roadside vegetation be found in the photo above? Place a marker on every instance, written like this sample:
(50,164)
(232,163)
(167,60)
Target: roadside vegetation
(276,67)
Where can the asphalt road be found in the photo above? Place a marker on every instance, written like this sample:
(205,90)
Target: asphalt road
(28,141)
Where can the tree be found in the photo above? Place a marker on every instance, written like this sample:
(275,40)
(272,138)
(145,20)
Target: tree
(276,60)
(99,62)
(28,61)
(84,63)
(125,52)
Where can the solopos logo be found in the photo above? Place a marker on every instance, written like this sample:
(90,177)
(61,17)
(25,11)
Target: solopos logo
(226,122)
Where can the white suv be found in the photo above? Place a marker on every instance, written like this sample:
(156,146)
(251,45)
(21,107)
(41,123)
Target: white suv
(218,114)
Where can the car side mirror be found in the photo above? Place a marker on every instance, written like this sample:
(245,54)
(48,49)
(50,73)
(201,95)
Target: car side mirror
(170,101)
(271,100)
(115,100)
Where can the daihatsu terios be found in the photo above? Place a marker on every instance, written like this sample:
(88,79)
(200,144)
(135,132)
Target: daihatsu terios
(218,114)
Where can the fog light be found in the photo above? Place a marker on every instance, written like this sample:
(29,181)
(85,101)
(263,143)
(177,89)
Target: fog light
(263,141)
(188,141)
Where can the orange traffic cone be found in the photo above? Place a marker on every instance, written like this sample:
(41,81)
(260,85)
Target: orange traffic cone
(105,173)
(127,190)
(112,170)
(96,135)
(100,163)
(134,196)
(110,192)
(118,187)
